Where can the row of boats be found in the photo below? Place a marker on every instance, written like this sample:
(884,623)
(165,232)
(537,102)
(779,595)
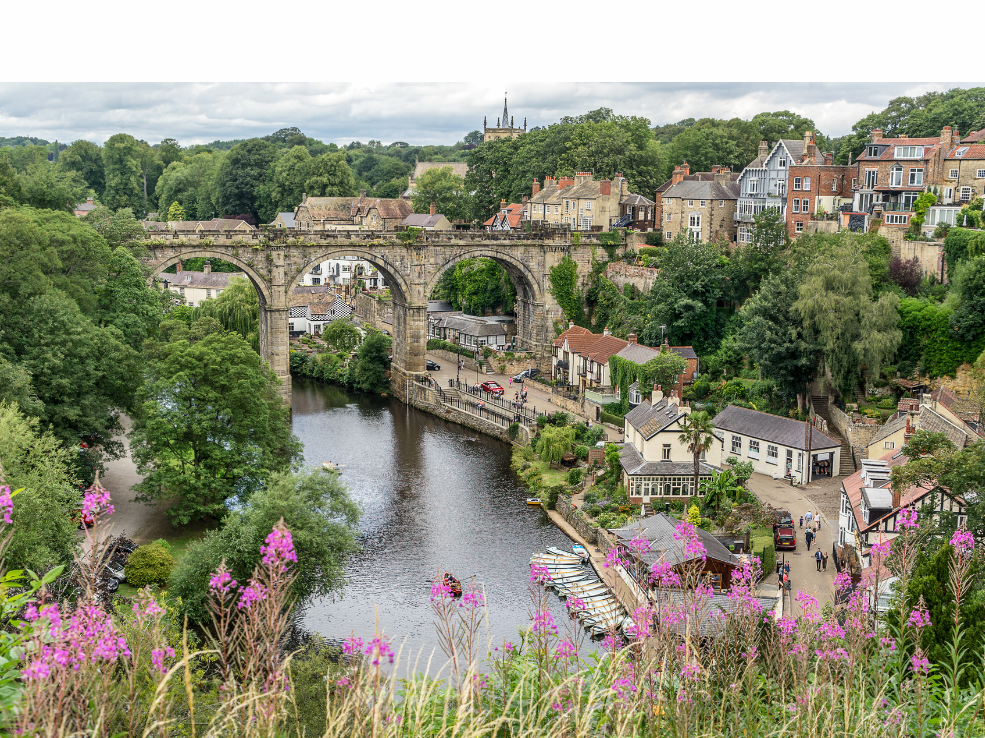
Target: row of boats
(600,612)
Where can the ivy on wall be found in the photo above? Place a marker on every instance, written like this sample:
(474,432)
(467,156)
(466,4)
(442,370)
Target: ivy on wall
(564,287)
(662,370)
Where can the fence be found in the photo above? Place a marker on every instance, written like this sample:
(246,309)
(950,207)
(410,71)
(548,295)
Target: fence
(527,415)
(470,406)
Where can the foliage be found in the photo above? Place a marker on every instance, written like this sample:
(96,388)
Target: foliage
(441,186)
(920,208)
(124,180)
(663,370)
(204,436)
(236,309)
(290,179)
(555,442)
(241,177)
(411,235)
(342,336)
(930,340)
(330,176)
(962,244)
(581,451)
(85,158)
(696,435)
(694,515)
(321,515)
(742,470)
(149,564)
(564,286)
(175,212)
(968,319)
(754,262)
(477,287)
(370,370)
(907,273)
(574,476)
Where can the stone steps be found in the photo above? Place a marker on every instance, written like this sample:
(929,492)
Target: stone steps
(847,461)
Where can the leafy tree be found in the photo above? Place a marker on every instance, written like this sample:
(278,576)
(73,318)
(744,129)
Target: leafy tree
(836,306)
(563,281)
(968,319)
(342,336)
(290,178)
(237,309)
(773,337)
(10,184)
(117,229)
(168,152)
(191,183)
(741,469)
(442,187)
(126,302)
(906,273)
(555,442)
(243,175)
(175,212)
(150,170)
(48,187)
(331,177)
(720,489)
(477,286)
(204,435)
(472,138)
(694,515)
(321,516)
(38,462)
(696,434)
(124,176)
(16,390)
(782,124)
(86,158)
(370,372)
(663,369)
(612,455)
(705,146)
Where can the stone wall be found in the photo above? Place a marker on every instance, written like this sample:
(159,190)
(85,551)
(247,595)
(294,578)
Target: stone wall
(371,311)
(588,531)
(620,274)
(821,226)
(858,435)
(930,254)
(452,359)
(427,399)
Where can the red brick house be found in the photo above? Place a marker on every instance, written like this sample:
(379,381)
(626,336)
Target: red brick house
(815,185)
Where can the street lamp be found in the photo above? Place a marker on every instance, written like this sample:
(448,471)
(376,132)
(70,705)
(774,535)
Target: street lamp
(662,333)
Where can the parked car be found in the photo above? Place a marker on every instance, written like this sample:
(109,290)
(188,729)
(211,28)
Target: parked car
(491,387)
(527,374)
(785,538)
(432,366)
(784,518)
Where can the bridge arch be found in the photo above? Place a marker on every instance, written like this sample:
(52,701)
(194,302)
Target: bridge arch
(259,283)
(395,280)
(527,284)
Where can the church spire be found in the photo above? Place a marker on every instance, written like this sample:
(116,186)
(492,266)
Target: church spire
(506,112)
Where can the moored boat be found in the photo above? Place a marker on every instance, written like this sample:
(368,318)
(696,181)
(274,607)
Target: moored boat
(453,584)
(533,501)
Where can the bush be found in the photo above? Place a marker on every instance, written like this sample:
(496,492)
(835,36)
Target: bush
(574,476)
(513,431)
(590,498)
(550,495)
(654,238)
(608,417)
(581,452)
(593,510)
(701,389)
(149,564)
(887,403)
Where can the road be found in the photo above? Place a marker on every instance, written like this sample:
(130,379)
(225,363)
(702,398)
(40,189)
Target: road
(804,576)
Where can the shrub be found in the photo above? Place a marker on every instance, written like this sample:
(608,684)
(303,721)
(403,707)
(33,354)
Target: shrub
(574,476)
(149,564)
(608,417)
(871,412)
(550,495)
(513,431)
(701,389)
(581,452)
(590,498)
(654,238)
(887,403)
(593,510)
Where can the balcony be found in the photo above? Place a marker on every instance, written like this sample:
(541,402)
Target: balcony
(316,270)
(601,396)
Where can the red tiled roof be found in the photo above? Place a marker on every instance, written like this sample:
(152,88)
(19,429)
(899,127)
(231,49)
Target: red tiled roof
(854,485)
(974,137)
(577,337)
(603,348)
(974,151)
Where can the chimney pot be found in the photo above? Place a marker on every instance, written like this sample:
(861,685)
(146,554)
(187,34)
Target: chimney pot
(632,338)
(207,269)
(178,267)
(829,158)
(362,193)
(571,324)
(434,207)
(536,187)
(876,135)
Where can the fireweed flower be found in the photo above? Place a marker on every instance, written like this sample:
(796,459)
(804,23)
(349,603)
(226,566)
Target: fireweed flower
(565,650)
(690,672)
(787,626)
(157,657)
(440,590)
(352,645)
(919,618)
(544,622)
(379,649)
(612,559)
(6,505)
(472,599)
(881,550)
(639,545)
(611,642)
(844,580)
(693,547)
(253,593)
(907,519)
(279,547)
(963,542)
(96,502)
(919,664)
(151,609)
(222,581)
(889,643)
(574,604)
(539,574)
(663,575)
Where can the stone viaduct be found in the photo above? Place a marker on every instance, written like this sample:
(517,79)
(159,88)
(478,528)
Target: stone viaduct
(276,260)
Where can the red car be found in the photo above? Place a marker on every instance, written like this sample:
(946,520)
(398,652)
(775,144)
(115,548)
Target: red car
(493,388)
(785,538)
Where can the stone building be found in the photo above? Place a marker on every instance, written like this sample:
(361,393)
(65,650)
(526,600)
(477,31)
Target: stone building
(504,127)
(964,175)
(351,213)
(581,202)
(509,217)
(818,187)
(702,206)
(197,287)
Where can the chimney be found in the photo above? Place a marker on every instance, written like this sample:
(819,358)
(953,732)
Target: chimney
(829,158)
(565,182)
(178,267)
(582,177)
(685,168)
(947,137)
(571,324)
(605,187)
(90,201)
(434,207)
(362,194)
(207,269)
(716,168)
(677,177)
(632,338)
(764,148)
(502,207)
(896,497)
(876,135)
(810,150)
(673,399)
(536,188)
(304,197)
(657,395)
(723,175)
(606,332)
(525,199)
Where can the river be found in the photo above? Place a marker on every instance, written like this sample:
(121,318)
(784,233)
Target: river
(436,496)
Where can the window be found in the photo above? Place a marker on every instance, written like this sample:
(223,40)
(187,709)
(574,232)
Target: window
(805,205)
(980,174)
(807,183)
(690,203)
(753,184)
(721,203)
(916,177)
(796,183)
(798,226)
(753,449)
(315,280)
(772,454)
(796,205)
(669,217)
(782,163)
(889,444)
(800,461)
(736,444)
(896,219)
(208,293)
(588,205)
(694,221)
(702,203)
(952,173)
(896,176)
(668,235)
(909,152)
(871,178)
(566,206)
(665,453)
(962,521)
(854,183)
(557,209)
(181,291)
(965,193)
(781,187)
(872,151)
(834,184)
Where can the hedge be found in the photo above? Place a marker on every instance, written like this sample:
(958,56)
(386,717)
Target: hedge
(928,339)
(614,419)
(439,345)
(150,564)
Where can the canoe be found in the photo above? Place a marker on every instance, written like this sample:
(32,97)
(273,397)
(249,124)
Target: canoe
(533,501)
(558,552)
(588,588)
(329,466)
(546,559)
(454,584)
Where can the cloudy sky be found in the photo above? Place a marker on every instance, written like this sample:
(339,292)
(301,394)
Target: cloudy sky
(415,112)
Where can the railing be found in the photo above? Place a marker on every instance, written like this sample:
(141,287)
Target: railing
(601,398)
(527,414)
(472,407)
(565,392)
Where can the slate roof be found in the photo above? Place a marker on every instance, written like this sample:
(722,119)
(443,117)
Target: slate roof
(854,485)
(632,199)
(313,289)
(888,429)
(288,219)
(930,146)
(636,466)
(772,428)
(85,207)
(330,208)
(931,420)
(649,419)
(640,354)
(422,220)
(659,530)
(703,191)
(218,280)
(470,325)
(973,151)
(699,177)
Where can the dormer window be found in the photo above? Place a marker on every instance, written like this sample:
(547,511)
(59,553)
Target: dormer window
(872,151)
(961,152)
(909,152)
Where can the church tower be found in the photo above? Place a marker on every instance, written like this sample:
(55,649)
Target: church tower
(504,126)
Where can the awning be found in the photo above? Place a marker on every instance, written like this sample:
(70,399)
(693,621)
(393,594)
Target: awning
(822,457)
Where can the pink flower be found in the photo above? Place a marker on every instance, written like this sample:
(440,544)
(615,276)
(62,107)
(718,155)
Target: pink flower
(844,580)
(222,581)
(920,665)
(379,649)
(611,642)
(663,575)
(158,655)
(96,501)
(539,574)
(472,599)
(907,518)
(639,545)
(352,645)
(612,558)
(544,622)
(440,590)
(881,550)
(690,672)
(963,542)
(574,604)
(919,618)
(693,547)
(565,650)
(253,593)
(889,643)
(279,547)
(152,609)
(6,505)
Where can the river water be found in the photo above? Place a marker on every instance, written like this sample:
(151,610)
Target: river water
(436,496)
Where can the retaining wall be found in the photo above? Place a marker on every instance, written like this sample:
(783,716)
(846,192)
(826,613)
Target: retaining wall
(452,359)
(858,436)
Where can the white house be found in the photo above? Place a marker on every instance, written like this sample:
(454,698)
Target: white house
(197,287)
(344,271)
(655,464)
(776,446)
(311,311)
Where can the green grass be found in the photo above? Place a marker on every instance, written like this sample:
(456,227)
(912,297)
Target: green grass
(179,539)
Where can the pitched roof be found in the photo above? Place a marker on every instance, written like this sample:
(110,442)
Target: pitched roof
(329,208)
(649,419)
(85,207)
(635,465)
(660,529)
(577,337)
(640,354)
(602,348)
(703,191)
(187,278)
(974,137)
(930,146)
(854,485)
(700,177)
(632,199)
(773,428)
(888,429)
(422,220)
(931,420)
(392,208)
(287,219)
(972,151)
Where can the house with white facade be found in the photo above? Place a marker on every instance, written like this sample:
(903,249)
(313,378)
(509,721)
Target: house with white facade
(471,331)
(346,270)
(197,287)
(655,464)
(312,308)
(776,446)
(763,184)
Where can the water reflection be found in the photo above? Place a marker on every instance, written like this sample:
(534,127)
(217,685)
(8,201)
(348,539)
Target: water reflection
(436,496)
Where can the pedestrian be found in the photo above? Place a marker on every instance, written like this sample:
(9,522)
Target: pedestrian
(818,557)
(808,517)
(511,381)
(779,578)
(817,517)
(824,561)
(786,582)
(809,538)
(801,521)
(786,567)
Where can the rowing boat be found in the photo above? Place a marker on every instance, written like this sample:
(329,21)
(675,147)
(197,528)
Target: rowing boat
(533,501)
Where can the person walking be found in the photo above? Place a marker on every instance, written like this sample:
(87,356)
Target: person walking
(808,517)
(818,557)
(824,561)
(809,538)
(817,517)
(801,521)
